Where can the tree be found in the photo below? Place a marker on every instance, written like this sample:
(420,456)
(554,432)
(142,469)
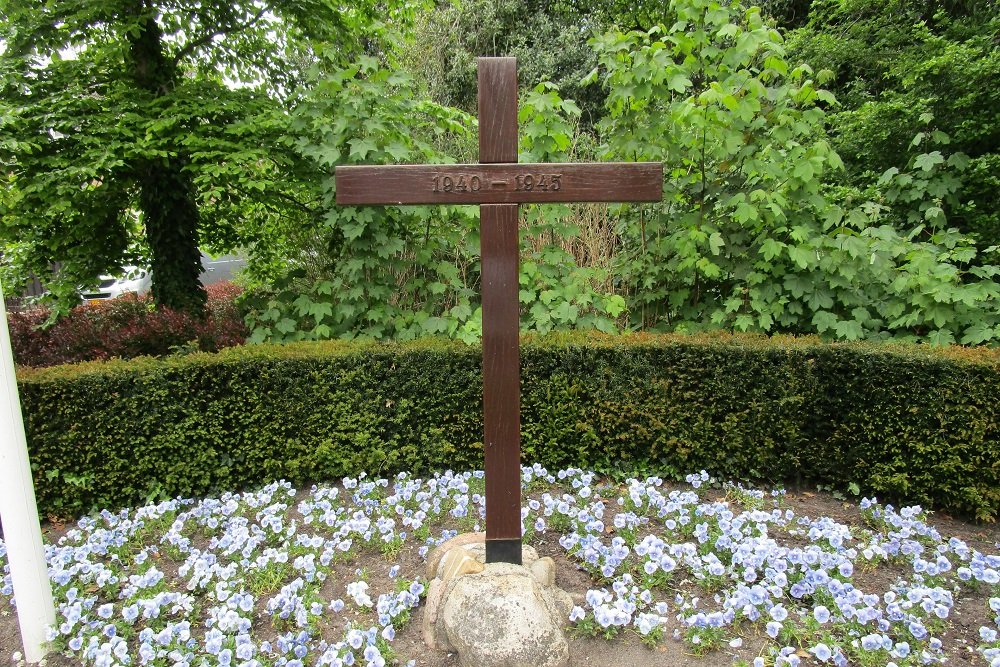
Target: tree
(748,235)
(131,126)
(376,272)
(897,63)
(548,38)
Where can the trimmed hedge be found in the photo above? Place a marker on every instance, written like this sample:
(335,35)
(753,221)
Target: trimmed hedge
(904,422)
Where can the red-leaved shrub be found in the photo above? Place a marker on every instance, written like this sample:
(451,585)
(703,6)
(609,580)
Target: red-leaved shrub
(126,327)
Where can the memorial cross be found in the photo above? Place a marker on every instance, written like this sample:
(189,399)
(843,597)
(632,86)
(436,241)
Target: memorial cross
(498,184)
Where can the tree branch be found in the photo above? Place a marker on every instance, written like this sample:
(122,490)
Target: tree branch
(195,44)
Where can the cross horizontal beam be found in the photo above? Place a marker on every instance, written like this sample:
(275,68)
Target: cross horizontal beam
(506,183)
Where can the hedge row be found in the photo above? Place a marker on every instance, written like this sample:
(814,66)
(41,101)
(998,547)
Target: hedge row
(903,422)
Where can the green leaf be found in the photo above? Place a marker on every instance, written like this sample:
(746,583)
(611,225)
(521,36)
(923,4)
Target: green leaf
(979,333)
(801,255)
(887,176)
(824,321)
(539,313)
(320,311)
(566,312)
(849,330)
(928,161)
(804,170)
(360,148)
(745,212)
(771,248)
(679,83)
(716,243)
(614,305)
(941,337)
(286,325)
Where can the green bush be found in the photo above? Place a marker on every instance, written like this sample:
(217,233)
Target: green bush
(904,422)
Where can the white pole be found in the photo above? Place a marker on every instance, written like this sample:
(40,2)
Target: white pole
(21,529)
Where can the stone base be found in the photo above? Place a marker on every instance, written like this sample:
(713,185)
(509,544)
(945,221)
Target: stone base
(495,614)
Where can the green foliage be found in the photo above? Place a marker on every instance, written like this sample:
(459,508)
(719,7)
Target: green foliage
(548,39)
(401,273)
(385,272)
(896,61)
(557,291)
(135,141)
(122,131)
(905,422)
(748,237)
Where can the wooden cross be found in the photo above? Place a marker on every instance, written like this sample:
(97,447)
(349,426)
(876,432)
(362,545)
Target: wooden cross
(498,184)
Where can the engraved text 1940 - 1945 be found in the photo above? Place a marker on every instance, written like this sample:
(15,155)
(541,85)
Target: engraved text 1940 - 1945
(474,183)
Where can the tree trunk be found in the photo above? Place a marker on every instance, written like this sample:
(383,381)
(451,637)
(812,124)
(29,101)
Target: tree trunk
(166,191)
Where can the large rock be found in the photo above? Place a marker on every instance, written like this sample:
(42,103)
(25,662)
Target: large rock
(458,562)
(435,556)
(503,617)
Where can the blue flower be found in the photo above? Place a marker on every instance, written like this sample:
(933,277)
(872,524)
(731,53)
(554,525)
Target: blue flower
(821,614)
(821,651)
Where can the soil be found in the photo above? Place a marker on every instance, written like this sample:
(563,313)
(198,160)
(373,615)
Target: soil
(969,613)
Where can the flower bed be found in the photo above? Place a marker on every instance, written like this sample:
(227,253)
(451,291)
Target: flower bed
(332,575)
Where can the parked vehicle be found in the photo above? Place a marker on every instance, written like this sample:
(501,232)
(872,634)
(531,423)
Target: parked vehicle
(139,281)
(134,280)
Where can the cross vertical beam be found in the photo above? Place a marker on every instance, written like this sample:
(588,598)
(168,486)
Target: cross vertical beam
(501,318)
(498,183)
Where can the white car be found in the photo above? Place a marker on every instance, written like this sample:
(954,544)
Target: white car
(134,280)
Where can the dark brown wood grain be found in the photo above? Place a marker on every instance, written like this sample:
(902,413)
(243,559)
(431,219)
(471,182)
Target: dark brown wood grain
(497,109)
(501,317)
(501,371)
(500,183)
